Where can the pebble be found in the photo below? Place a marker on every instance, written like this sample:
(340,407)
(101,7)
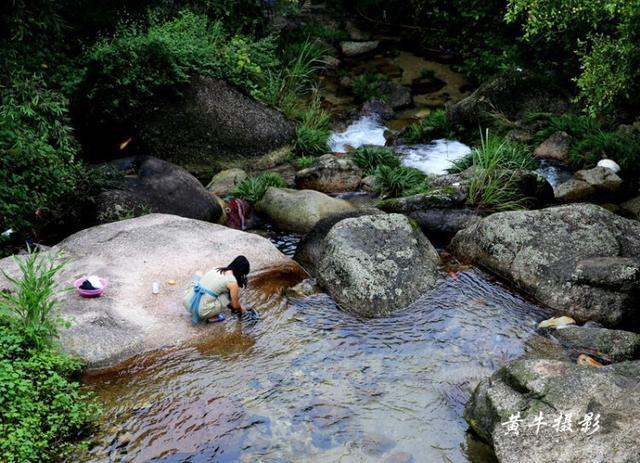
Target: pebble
(586,360)
(557,322)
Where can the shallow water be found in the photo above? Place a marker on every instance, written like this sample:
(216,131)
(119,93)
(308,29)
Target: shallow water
(368,130)
(554,173)
(433,158)
(312,383)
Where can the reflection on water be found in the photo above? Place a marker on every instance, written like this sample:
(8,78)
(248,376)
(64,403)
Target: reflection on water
(312,383)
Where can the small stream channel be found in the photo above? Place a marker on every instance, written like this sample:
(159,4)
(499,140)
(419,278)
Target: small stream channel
(311,383)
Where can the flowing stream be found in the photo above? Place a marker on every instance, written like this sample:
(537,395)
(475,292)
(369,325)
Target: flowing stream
(313,383)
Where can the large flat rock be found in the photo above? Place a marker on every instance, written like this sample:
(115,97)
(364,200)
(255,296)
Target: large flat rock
(129,320)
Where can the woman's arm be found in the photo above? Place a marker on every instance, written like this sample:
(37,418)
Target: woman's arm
(234,292)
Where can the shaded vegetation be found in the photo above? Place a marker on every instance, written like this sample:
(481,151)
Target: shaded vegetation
(369,158)
(253,189)
(394,182)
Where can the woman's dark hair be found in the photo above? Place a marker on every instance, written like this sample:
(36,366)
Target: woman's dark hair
(240,269)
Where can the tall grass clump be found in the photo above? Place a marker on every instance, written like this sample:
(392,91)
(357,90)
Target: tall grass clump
(395,182)
(367,86)
(253,189)
(368,158)
(495,165)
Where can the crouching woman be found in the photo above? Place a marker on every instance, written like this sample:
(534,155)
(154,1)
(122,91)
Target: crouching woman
(220,287)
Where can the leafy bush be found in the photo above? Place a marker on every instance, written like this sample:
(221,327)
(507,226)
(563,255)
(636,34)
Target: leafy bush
(253,189)
(312,133)
(42,410)
(137,62)
(305,162)
(393,182)
(435,125)
(368,158)
(367,86)
(37,151)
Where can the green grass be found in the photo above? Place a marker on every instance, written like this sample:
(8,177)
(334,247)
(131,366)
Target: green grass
(43,410)
(368,158)
(367,86)
(591,140)
(253,189)
(394,182)
(435,125)
(495,167)
(305,162)
(324,32)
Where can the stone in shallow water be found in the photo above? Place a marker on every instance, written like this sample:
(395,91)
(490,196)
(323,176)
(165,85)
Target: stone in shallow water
(376,444)
(358,48)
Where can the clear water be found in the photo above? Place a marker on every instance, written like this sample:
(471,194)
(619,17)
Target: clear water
(312,383)
(433,158)
(554,173)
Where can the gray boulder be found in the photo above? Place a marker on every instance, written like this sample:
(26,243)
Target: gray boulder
(615,345)
(579,259)
(375,264)
(602,179)
(358,48)
(556,147)
(396,95)
(224,181)
(128,320)
(631,208)
(441,225)
(512,94)
(330,174)
(559,391)
(439,199)
(154,185)
(299,210)
(211,126)
(574,191)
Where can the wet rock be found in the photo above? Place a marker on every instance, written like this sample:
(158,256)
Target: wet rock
(617,345)
(579,259)
(211,126)
(441,225)
(556,322)
(351,49)
(374,264)
(305,288)
(631,208)
(299,210)
(330,174)
(556,147)
(376,444)
(601,178)
(128,320)
(512,94)
(311,247)
(531,387)
(355,33)
(369,184)
(223,182)
(153,185)
(379,108)
(573,191)
(444,198)
(519,136)
(427,85)
(396,95)
(330,62)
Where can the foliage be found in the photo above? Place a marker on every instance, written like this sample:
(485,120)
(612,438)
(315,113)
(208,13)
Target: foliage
(253,189)
(324,32)
(37,151)
(495,166)
(393,182)
(34,300)
(495,153)
(368,158)
(42,410)
(312,133)
(367,86)
(591,140)
(435,125)
(604,35)
(305,162)
(137,62)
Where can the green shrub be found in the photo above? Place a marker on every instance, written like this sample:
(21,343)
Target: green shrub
(368,158)
(42,410)
(37,152)
(367,86)
(393,182)
(496,153)
(137,62)
(311,141)
(253,189)
(305,162)
(324,32)
(435,125)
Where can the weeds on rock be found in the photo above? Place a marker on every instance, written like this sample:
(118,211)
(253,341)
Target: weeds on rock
(368,158)
(435,125)
(305,162)
(394,182)
(253,189)
(367,86)
(496,153)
